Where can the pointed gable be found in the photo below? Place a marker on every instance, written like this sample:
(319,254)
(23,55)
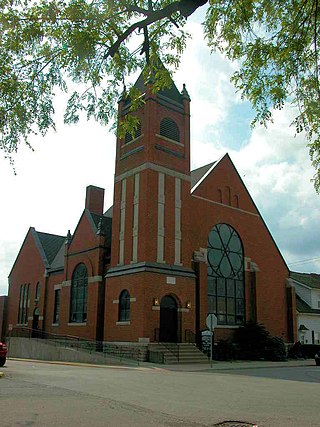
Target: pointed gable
(220,182)
(46,245)
(89,225)
(84,235)
(222,188)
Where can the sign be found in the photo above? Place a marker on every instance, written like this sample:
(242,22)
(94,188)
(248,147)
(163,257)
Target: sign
(206,342)
(211,321)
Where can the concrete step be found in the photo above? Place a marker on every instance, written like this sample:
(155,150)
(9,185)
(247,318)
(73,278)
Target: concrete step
(182,353)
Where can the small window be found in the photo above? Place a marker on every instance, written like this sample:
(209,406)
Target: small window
(56,309)
(124,306)
(128,138)
(169,129)
(219,196)
(236,201)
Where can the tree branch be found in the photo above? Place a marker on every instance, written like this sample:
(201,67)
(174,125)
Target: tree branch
(185,7)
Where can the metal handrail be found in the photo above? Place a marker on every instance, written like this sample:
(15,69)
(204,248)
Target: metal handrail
(173,348)
(78,343)
(189,336)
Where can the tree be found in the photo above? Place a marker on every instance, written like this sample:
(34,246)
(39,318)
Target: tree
(97,44)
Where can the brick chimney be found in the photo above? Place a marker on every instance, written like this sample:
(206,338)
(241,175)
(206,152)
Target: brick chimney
(95,199)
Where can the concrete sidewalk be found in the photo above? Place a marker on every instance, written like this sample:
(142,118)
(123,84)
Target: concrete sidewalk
(200,367)
(237,364)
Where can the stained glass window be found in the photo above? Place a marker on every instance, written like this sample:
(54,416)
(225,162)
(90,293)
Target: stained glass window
(124,306)
(226,275)
(79,294)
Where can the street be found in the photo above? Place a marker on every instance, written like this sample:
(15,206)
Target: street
(37,394)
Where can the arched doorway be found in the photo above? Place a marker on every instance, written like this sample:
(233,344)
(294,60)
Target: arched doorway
(35,323)
(168,319)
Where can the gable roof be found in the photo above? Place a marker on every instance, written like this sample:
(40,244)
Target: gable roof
(312,280)
(198,174)
(51,244)
(58,262)
(201,174)
(303,307)
(47,244)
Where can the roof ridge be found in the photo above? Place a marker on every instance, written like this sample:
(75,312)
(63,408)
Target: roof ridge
(49,234)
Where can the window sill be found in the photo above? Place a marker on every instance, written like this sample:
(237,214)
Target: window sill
(228,326)
(125,144)
(55,324)
(77,324)
(124,323)
(165,138)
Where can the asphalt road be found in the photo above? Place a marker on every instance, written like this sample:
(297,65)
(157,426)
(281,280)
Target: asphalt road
(309,374)
(48,395)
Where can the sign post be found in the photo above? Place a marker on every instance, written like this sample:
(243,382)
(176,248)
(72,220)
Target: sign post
(211,322)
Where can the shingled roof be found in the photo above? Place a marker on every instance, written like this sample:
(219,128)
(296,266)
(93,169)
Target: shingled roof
(169,92)
(312,280)
(303,307)
(198,173)
(51,244)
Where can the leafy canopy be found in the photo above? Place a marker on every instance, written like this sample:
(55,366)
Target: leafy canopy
(95,45)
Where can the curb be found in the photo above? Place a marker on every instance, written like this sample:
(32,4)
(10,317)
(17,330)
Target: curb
(79,364)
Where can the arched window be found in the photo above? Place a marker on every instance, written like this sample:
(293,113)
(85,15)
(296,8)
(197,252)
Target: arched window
(236,201)
(20,305)
(23,308)
(219,196)
(37,296)
(79,294)
(226,275)
(169,129)
(27,304)
(137,133)
(124,306)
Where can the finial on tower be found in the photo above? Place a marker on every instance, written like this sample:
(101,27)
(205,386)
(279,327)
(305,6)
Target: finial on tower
(68,238)
(185,94)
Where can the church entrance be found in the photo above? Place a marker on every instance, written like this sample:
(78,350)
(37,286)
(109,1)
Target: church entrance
(168,319)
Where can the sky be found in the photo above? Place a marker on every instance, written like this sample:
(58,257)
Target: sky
(48,192)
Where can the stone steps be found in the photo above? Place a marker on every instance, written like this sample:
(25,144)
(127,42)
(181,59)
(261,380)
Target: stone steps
(181,353)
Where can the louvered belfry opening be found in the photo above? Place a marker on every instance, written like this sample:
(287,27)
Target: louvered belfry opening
(169,129)
(137,133)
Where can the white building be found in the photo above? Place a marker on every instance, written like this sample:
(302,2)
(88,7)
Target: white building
(308,306)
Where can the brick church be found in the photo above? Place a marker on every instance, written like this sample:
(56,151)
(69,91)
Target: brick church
(175,246)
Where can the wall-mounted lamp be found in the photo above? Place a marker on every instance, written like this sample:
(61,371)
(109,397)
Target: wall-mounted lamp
(188,304)
(156,301)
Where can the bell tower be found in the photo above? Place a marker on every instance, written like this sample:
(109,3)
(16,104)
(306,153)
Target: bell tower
(150,211)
